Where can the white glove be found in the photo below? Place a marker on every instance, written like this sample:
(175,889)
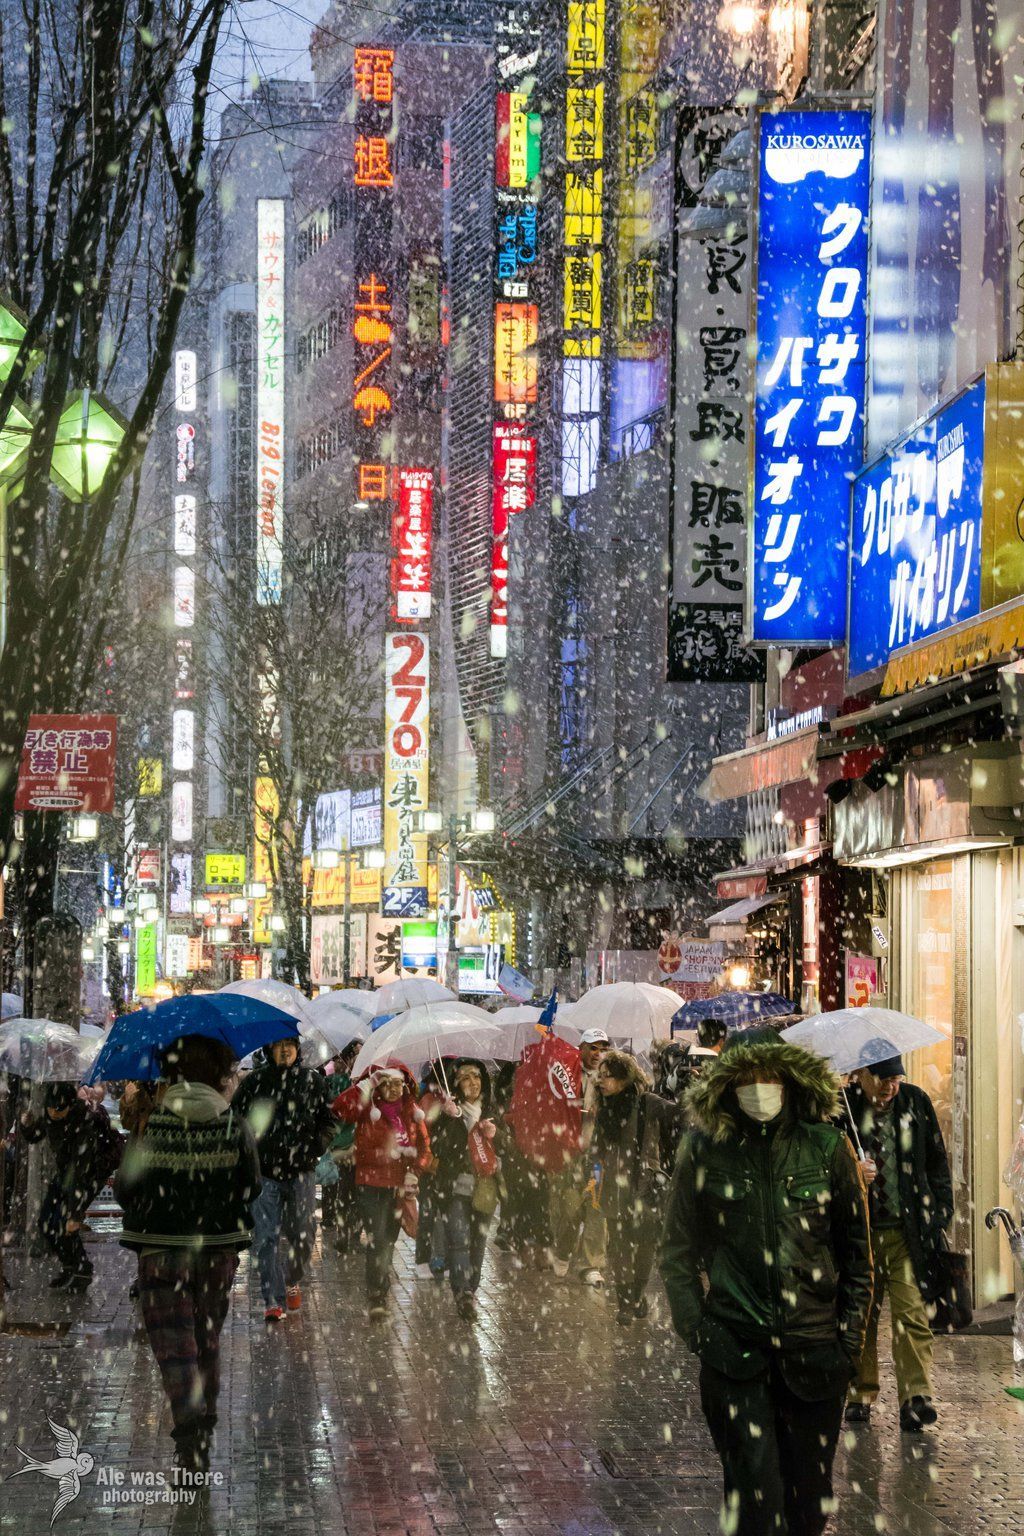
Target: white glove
(407,1151)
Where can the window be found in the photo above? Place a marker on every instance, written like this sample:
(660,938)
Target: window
(322,225)
(318,448)
(318,340)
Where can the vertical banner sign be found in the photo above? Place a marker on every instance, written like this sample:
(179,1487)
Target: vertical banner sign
(516,312)
(712,432)
(269,398)
(373,179)
(406,772)
(583,241)
(411,535)
(183,736)
(636,267)
(812,254)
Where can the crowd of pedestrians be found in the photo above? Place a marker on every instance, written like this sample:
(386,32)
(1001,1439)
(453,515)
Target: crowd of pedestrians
(779,1242)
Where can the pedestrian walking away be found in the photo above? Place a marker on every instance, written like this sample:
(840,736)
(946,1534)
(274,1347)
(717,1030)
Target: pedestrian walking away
(465,1178)
(186,1188)
(86,1150)
(392,1149)
(768,1203)
(910,1195)
(288,1108)
(634,1146)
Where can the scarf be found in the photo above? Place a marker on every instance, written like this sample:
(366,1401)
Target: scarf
(393,1115)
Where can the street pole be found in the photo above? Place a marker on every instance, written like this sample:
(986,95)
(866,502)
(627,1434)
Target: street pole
(346,953)
(451,979)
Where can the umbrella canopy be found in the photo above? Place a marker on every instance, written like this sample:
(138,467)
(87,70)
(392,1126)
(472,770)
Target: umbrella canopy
(435,1029)
(851,1038)
(733,1008)
(279,994)
(352,1000)
(630,1012)
(521,1027)
(338,1021)
(11,1006)
(132,1049)
(44,1051)
(408,992)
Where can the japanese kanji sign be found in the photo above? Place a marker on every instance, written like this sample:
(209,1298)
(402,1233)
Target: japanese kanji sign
(406,772)
(373,321)
(411,534)
(812,253)
(515,482)
(67,764)
(916,557)
(270,343)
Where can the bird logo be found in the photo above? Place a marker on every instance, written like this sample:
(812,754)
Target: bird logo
(67,1468)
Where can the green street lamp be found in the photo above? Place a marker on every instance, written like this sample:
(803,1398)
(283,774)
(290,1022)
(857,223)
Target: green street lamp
(89,433)
(13,325)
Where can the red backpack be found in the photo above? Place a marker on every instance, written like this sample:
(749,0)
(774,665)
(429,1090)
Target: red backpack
(545,1111)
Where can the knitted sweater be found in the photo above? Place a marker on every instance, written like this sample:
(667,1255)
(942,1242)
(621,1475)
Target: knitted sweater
(189,1180)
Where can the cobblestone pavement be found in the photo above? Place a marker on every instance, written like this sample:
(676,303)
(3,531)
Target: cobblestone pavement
(543,1417)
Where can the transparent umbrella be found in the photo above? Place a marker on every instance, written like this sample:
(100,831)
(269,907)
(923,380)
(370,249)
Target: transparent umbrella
(435,1029)
(630,1012)
(851,1038)
(408,992)
(44,1051)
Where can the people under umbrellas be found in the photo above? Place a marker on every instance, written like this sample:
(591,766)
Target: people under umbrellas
(392,1149)
(910,1196)
(186,1187)
(768,1203)
(86,1150)
(288,1108)
(465,1182)
(634,1145)
(340,1207)
(429,1256)
(577,1222)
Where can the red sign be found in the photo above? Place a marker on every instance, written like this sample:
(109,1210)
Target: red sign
(68,764)
(410,545)
(514,490)
(147,870)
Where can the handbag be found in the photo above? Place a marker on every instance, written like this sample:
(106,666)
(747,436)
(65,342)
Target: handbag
(410,1214)
(326,1171)
(954,1307)
(486,1195)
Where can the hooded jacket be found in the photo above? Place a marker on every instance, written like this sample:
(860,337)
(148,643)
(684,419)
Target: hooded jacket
(776,1217)
(635,1139)
(86,1150)
(449,1137)
(379,1160)
(924,1182)
(188,1181)
(289,1114)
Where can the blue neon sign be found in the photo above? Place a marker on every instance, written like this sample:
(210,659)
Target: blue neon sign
(915,556)
(812,258)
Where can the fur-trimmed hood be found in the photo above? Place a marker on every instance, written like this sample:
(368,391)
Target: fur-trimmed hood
(812,1088)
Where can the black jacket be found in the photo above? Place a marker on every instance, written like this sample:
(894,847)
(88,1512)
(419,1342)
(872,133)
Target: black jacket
(449,1142)
(289,1114)
(86,1150)
(188,1181)
(635,1139)
(776,1218)
(925,1185)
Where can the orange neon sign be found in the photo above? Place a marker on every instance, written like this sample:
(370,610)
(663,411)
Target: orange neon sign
(372,75)
(373,161)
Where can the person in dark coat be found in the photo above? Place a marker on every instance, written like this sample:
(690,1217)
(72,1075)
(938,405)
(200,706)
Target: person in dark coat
(338,1201)
(634,1147)
(186,1188)
(86,1150)
(288,1107)
(768,1203)
(910,1195)
(463,1195)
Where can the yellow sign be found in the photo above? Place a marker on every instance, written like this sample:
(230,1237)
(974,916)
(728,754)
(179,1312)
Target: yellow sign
(1002,509)
(151,776)
(584,122)
(225,869)
(583,224)
(583,292)
(329,884)
(262,908)
(518,139)
(586,36)
(266,807)
(984,640)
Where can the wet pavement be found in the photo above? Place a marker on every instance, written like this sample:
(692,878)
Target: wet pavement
(543,1417)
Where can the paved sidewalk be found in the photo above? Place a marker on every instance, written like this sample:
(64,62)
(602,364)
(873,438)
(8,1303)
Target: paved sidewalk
(543,1418)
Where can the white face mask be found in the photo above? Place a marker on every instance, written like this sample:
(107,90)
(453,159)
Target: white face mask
(761,1101)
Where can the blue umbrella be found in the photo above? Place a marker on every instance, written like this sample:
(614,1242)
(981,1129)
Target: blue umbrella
(733,1008)
(133,1047)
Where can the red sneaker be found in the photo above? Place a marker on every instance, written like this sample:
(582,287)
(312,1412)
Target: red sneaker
(293,1297)
(273,1314)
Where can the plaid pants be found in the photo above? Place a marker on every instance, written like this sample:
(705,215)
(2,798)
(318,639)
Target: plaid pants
(184,1295)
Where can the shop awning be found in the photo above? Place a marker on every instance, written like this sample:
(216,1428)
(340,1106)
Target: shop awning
(993,636)
(738,913)
(762,766)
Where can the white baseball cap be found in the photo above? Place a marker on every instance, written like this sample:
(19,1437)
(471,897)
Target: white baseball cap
(594,1037)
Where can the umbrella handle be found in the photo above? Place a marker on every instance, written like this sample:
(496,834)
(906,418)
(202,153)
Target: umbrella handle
(853,1125)
(437,1057)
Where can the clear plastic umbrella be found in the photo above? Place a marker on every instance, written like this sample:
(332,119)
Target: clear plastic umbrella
(11,1006)
(435,1029)
(314,1044)
(350,1000)
(630,1012)
(409,992)
(851,1038)
(44,1051)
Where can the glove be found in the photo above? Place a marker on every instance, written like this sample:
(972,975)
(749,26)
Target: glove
(407,1151)
(451,1109)
(487,1128)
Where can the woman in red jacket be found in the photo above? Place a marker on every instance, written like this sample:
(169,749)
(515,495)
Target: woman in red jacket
(392,1148)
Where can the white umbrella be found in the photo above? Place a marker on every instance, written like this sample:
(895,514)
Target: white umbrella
(44,1051)
(630,1012)
(350,1000)
(409,992)
(435,1029)
(521,1020)
(314,1046)
(851,1038)
(11,1006)
(340,1025)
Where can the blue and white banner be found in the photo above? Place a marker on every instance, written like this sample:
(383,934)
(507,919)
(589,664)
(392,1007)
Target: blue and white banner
(915,562)
(812,258)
